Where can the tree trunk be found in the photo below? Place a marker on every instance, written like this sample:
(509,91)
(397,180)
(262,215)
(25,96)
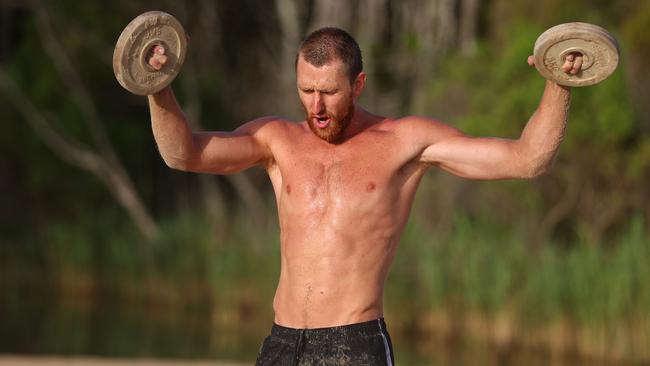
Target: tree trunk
(290,28)
(334,13)
(468,26)
(370,32)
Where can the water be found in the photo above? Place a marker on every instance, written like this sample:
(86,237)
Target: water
(94,324)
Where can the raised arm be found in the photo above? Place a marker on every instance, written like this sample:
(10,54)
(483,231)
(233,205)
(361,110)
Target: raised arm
(207,152)
(493,158)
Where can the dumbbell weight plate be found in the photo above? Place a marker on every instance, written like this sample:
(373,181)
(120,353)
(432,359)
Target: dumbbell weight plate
(138,38)
(598,47)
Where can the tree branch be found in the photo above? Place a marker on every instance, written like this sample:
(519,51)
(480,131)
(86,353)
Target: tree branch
(70,151)
(71,78)
(111,176)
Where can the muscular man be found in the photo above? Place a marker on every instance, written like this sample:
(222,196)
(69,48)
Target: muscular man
(344,181)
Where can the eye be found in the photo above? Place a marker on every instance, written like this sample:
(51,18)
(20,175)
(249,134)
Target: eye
(307,91)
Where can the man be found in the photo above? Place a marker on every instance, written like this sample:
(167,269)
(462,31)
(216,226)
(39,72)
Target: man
(344,181)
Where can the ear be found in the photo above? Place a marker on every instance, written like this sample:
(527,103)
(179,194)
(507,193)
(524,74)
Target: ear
(359,84)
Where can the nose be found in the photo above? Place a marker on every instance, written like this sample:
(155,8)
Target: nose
(317,105)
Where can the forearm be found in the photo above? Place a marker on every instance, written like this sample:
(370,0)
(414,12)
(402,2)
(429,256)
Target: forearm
(170,129)
(541,138)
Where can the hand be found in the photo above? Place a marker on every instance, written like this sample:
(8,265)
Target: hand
(156,57)
(572,62)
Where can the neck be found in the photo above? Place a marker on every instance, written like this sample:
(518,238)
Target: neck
(359,122)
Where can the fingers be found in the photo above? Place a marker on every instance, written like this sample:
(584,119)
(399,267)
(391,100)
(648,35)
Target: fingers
(156,57)
(577,64)
(531,60)
(572,63)
(568,63)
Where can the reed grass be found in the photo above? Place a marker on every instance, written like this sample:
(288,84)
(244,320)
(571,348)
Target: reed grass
(476,281)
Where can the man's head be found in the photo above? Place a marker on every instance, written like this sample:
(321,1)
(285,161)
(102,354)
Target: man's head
(330,78)
(325,45)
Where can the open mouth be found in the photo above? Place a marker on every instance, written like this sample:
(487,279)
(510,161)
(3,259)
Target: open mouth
(321,122)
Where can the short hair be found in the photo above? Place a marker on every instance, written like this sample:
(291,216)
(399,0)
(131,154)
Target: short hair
(328,44)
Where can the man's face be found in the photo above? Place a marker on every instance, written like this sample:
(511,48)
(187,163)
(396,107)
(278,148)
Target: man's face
(327,96)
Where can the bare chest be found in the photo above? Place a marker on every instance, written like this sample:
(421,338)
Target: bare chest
(366,175)
(338,174)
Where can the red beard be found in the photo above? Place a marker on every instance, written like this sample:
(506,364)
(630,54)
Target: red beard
(335,125)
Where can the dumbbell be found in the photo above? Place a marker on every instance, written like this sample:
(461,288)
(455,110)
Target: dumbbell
(598,48)
(136,42)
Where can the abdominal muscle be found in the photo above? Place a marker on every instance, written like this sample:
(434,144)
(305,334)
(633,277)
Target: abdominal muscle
(332,280)
(341,210)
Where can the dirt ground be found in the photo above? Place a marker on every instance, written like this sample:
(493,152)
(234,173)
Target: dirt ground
(86,361)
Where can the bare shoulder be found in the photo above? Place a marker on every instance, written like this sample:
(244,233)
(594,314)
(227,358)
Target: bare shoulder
(415,128)
(265,125)
(268,129)
(274,133)
(419,125)
(421,132)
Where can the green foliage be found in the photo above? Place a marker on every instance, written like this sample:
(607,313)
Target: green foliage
(511,91)
(473,268)
(543,292)
(600,115)
(639,164)
(477,268)
(636,30)
(68,248)
(495,92)
(603,286)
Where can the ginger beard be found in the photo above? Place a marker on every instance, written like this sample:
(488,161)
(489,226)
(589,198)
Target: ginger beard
(329,126)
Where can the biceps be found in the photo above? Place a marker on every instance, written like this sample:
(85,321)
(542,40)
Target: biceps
(228,152)
(477,158)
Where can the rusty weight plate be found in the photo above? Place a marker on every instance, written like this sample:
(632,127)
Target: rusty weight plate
(136,41)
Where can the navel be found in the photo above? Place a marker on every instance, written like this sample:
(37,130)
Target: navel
(288,189)
(370,186)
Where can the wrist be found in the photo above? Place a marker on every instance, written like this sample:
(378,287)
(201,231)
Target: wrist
(557,88)
(161,95)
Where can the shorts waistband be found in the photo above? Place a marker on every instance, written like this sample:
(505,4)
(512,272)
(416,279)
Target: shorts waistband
(349,331)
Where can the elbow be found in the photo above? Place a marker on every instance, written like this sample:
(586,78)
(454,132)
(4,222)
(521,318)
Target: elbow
(181,158)
(537,168)
(176,163)
(538,172)
(534,163)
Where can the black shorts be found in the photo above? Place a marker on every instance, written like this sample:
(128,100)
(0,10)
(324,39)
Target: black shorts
(361,344)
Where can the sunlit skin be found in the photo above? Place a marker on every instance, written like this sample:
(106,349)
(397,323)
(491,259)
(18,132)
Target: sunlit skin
(343,203)
(327,98)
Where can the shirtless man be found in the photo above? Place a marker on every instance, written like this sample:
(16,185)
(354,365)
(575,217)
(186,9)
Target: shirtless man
(344,181)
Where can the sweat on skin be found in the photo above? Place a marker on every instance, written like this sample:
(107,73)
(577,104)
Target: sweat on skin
(345,178)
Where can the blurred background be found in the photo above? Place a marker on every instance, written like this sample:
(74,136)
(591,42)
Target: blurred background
(104,251)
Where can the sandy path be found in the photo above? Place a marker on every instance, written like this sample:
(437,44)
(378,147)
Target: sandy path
(79,361)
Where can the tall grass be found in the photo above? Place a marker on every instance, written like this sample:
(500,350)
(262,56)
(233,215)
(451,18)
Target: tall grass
(474,282)
(495,286)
